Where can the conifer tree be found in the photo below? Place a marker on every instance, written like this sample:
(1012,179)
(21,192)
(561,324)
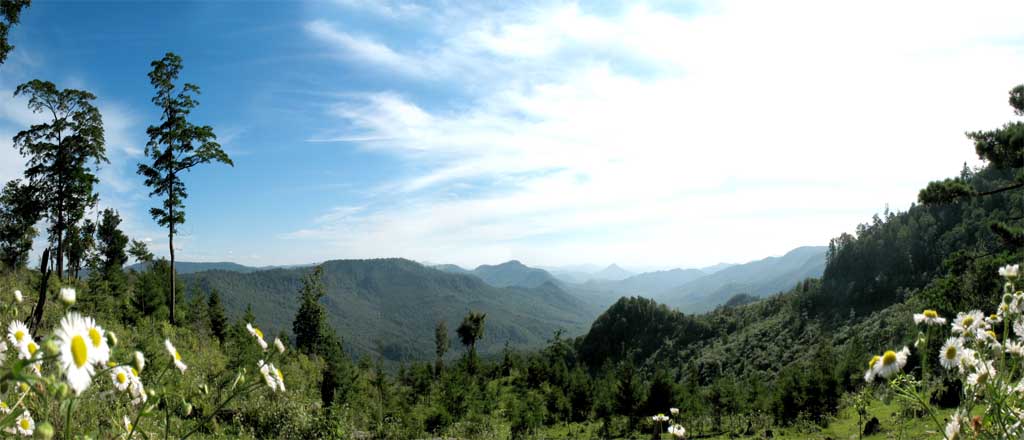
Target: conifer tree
(440,345)
(175,146)
(310,324)
(218,319)
(470,331)
(111,244)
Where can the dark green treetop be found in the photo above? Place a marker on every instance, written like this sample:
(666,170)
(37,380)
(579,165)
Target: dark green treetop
(10,15)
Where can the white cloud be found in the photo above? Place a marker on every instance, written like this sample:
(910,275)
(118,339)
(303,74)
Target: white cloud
(649,138)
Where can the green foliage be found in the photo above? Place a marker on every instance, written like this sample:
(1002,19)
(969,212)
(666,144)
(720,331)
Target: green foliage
(19,212)
(218,320)
(10,15)
(110,244)
(310,324)
(59,153)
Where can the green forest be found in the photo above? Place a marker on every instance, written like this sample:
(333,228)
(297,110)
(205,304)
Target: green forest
(915,328)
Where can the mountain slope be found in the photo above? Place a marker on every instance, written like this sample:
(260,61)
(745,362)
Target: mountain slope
(612,272)
(758,278)
(186,267)
(649,283)
(513,273)
(390,306)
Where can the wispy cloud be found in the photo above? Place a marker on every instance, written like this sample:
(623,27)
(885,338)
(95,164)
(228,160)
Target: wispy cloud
(650,137)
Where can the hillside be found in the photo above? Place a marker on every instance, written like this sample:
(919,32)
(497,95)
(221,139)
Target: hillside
(758,278)
(187,267)
(649,283)
(390,306)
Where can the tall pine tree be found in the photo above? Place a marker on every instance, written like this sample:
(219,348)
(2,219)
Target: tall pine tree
(175,146)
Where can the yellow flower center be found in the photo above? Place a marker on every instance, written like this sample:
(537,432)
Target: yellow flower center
(873,361)
(968,321)
(19,335)
(23,386)
(24,424)
(177,356)
(258,332)
(951,352)
(32,347)
(95,337)
(991,333)
(280,376)
(3,405)
(889,358)
(121,378)
(79,352)
(931,314)
(135,372)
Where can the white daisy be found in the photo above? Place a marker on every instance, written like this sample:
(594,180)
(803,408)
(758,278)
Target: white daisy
(279,345)
(99,350)
(17,332)
(122,377)
(673,411)
(892,362)
(950,355)
(4,409)
(28,348)
(1010,271)
(279,377)
(968,360)
(677,431)
(869,376)
(67,295)
(929,317)
(953,427)
(24,424)
(75,351)
(983,372)
(18,297)
(1018,328)
(268,375)
(258,334)
(127,424)
(174,355)
(968,323)
(140,360)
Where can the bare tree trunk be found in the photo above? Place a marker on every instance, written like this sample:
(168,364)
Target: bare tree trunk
(171,242)
(37,313)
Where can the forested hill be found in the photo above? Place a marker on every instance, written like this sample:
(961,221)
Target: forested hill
(768,356)
(508,274)
(390,306)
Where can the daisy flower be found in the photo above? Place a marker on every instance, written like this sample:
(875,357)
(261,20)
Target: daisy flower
(268,375)
(1010,271)
(279,345)
(673,411)
(258,334)
(24,424)
(4,409)
(18,297)
(67,295)
(929,317)
(892,362)
(127,424)
(28,348)
(953,427)
(967,323)
(100,350)
(122,377)
(950,355)
(140,361)
(17,332)
(174,355)
(75,351)
(677,431)
(869,376)
(280,378)
(984,372)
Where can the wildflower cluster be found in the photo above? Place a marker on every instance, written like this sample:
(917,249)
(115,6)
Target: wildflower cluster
(55,370)
(985,354)
(675,429)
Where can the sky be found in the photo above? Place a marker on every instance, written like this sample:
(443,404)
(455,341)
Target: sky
(648,134)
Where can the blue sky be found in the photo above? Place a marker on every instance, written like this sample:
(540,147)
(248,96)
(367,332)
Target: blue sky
(651,134)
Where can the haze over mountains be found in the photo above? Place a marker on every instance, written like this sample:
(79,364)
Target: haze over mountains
(389,307)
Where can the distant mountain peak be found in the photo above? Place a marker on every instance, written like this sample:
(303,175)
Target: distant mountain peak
(612,272)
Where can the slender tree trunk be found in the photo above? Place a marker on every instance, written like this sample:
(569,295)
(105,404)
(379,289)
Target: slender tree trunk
(171,243)
(37,313)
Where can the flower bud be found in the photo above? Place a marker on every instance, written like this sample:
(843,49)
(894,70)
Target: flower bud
(67,295)
(139,361)
(187,409)
(44,431)
(51,348)
(18,297)
(62,391)
(111,338)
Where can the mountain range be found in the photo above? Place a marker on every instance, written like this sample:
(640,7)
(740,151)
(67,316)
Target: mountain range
(389,307)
